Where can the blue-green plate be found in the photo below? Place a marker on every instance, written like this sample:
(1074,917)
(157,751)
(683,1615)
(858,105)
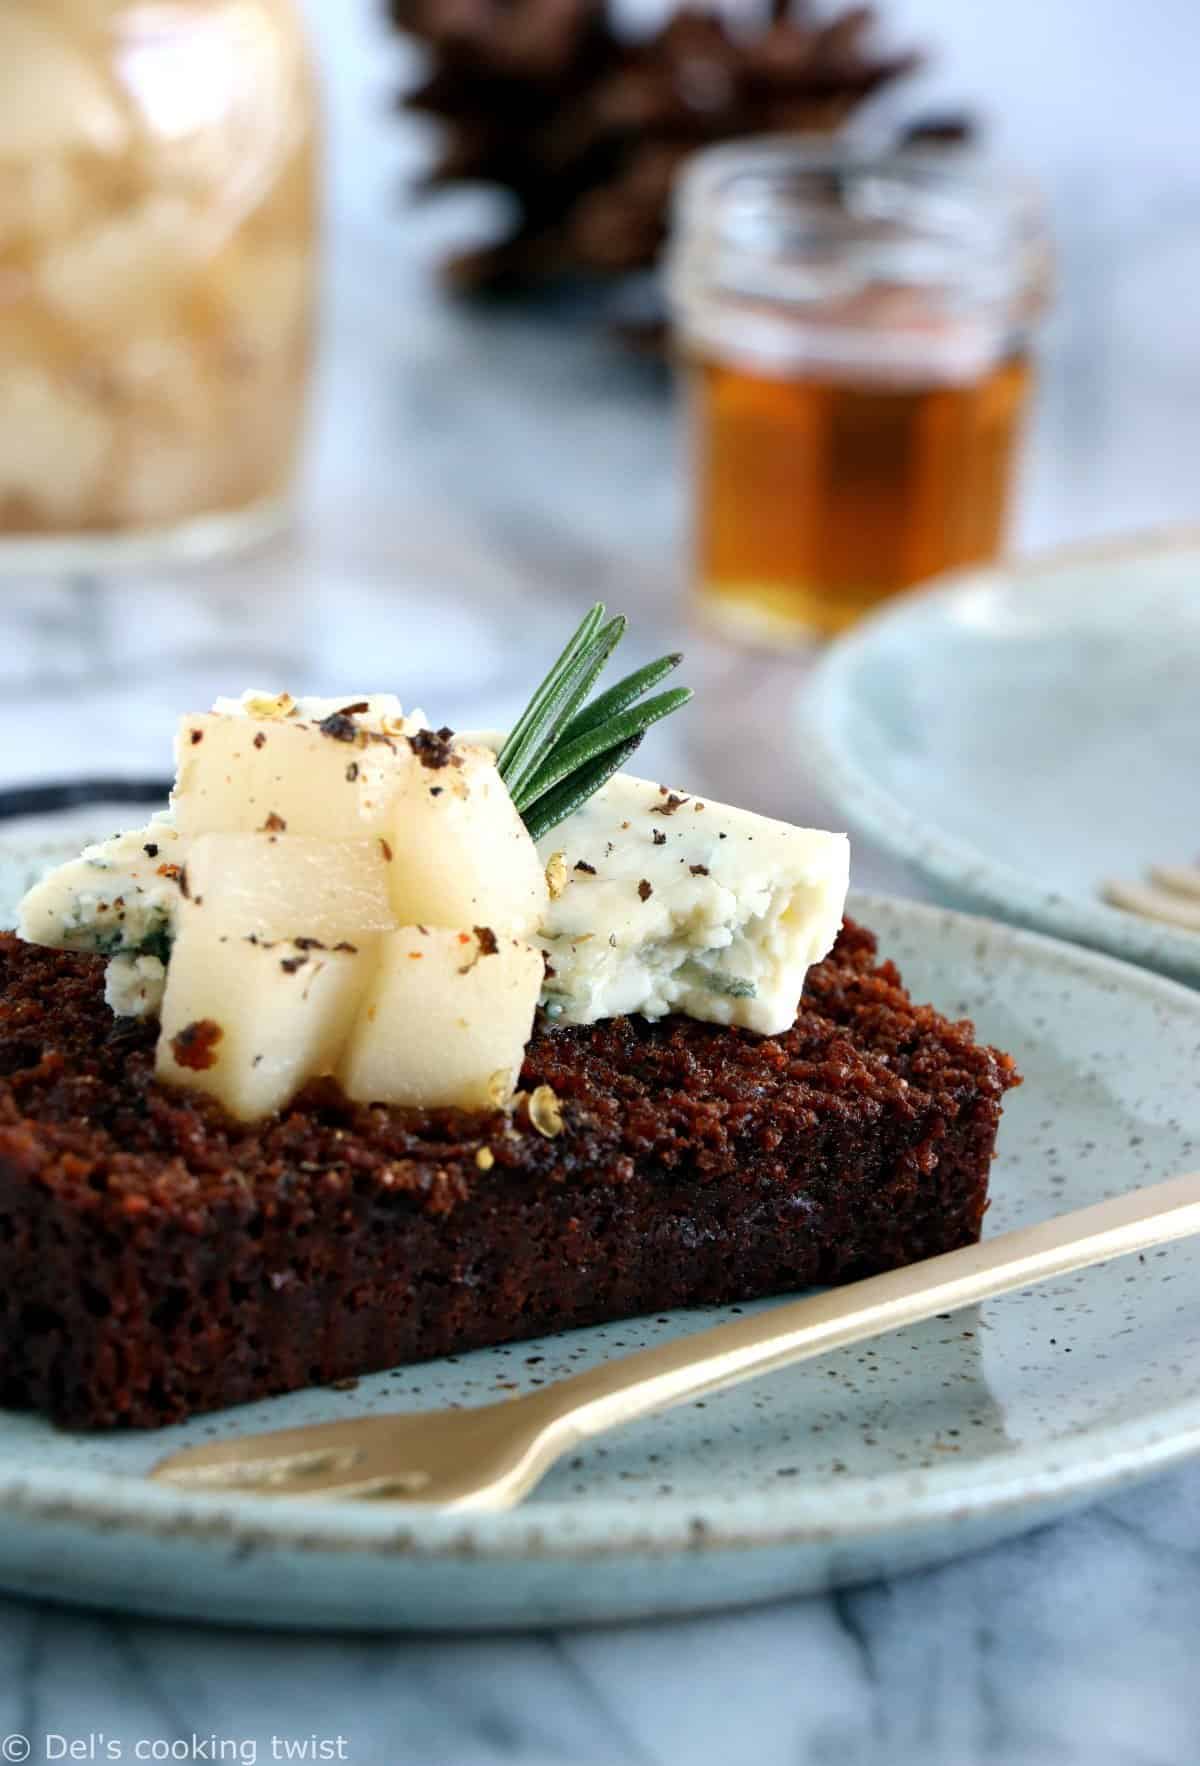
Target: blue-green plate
(937,1441)
(1020,736)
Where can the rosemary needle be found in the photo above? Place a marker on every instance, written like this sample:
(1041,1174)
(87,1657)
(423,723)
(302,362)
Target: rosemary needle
(618,698)
(529,728)
(567,757)
(556,805)
(562,749)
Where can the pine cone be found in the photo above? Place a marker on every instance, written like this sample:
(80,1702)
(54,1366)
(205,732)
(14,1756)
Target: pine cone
(587,131)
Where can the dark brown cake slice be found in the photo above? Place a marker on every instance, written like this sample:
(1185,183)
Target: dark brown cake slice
(158,1258)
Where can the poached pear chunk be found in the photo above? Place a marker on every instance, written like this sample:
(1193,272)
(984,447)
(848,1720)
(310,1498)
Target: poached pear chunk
(267,919)
(445,1021)
(252,1022)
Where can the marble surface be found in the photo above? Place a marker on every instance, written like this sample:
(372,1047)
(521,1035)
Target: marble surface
(1075,1647)
(473,481)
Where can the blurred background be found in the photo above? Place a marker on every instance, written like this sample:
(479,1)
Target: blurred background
(475,473)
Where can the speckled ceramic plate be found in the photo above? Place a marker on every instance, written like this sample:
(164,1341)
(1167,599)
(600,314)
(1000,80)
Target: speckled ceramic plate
(1018,736)
(933,1442)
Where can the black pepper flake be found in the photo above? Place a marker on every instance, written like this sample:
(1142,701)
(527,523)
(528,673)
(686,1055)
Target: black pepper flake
(274,824)
(308,944)
(487,941)
(182,881)
(197,736)
(436,790)
(151,851)
(698,870)
(194,1047)
(351,949)
(289,965)
(339,726)
(260,741)
(645,889)
(673,802)
(385,849)
(432,748)
(581,864)
(352,772)
(659,837)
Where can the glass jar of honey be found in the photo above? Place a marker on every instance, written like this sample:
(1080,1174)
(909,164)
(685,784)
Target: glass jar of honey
(855,331)
(158,223)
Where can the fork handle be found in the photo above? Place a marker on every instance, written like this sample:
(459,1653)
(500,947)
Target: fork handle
(655,1379)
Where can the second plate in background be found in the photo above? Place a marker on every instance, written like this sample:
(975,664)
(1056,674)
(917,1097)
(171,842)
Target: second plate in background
(1017,736)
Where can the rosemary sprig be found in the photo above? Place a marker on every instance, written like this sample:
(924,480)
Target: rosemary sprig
(618,698)
(568,755)
(556,805)
(561,749)
(530,728)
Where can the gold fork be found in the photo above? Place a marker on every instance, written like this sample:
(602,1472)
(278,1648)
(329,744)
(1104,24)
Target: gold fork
(490,1456)
(1172,895)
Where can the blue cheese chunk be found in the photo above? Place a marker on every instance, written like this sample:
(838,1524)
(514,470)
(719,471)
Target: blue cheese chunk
(664,902)
(118,899)
(134,986)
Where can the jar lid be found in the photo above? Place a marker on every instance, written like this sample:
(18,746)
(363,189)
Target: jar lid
(794,250)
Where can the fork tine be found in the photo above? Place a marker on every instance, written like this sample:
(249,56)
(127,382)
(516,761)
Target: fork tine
(1155,904)
(315,1460)
(1177,879)
(299,1475)
(480,1456)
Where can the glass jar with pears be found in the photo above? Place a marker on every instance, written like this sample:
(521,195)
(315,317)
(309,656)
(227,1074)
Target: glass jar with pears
(855,333)
(158,223)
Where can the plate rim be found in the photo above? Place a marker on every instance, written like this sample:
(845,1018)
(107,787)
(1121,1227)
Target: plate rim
(943,859)
(1086,1462)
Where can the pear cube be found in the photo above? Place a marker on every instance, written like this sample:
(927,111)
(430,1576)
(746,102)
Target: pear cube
(445,1020)
(250,1023)
(241,775)
(279,886)
(464,857)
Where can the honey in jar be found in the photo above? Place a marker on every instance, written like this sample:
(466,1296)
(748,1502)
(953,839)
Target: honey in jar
(855,341)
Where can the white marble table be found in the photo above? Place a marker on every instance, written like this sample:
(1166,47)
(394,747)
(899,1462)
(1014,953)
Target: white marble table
(1075,1647)
(473,483)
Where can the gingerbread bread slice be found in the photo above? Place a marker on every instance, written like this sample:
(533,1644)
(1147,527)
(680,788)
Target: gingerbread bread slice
(158,1259)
